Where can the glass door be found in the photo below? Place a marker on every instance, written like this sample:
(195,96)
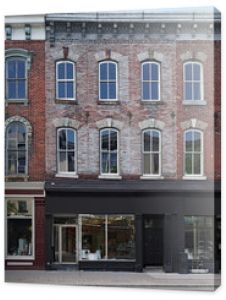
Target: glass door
(68,244)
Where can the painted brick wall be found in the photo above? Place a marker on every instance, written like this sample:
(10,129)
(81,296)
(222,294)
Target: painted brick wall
(34,112)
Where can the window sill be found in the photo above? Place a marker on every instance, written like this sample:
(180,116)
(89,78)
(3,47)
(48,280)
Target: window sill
(194,102)
(152,102)
(17,177)
(194,177)
(150,177)
(117,177)
(108,102)
(20,257)
(65,102)
(66,175)
(16,101)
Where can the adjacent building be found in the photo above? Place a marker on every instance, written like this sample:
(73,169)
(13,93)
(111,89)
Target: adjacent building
(129,142)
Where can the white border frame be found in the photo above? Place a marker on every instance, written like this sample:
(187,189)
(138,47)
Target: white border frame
(107,81)
(150,62)
(65,80)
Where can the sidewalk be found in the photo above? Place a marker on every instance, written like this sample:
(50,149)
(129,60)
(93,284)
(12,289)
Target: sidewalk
(207,282)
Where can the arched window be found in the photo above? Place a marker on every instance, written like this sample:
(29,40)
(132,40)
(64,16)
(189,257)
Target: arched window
(151,152)
(66,151)
(108,80)
(65,80)
(109,151)
(16,149)
(193,81)
(16,78)
(150,80)
(193,152)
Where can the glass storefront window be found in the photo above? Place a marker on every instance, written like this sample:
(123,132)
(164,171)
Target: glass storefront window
(20,228)
(199,238)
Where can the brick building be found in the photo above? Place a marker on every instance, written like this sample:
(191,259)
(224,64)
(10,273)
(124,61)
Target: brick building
(25,141)
(132,110)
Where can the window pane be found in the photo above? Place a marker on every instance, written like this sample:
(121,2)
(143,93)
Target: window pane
(105,139)
(69,67)
(188,90)
(146,91)
(103,71)
(21,133)
(21,89)
(12,144)
(11,89)
(197,164)
(189,140)
(112,71)
(112,90)
(12,166)
(113,140)
(70,139)
(146,163)
(19,236)
(121,237)
(188,164)
(146,71)
(19,208)
(197,91)
(196,72)
(147,139)
(12,130)
(154,90)
(188,71)
(154,72)
(103,90)
(70,90)
(62,139)
(11,69)
(61,71)
(71,161)
(93,237)
(154,161)
(105,159)
(197,141)
(113,163)
(61,89)
(20,69)
(63,162)
(155,141)
(21,162)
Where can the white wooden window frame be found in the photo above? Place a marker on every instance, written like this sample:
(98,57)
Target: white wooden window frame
(151,81)
(65,80)
(109,81)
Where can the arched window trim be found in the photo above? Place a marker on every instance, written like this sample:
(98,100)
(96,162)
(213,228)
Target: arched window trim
(26,150)
(159,81)
(67,173)
(159,152)
(118,150)
(73,80)
(193,61)
(201,153)
(116,80)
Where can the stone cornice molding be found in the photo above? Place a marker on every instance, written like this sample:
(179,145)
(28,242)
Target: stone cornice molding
(21,120)
(150,55)
(108,54)
(13,52)
(109,122)
(189,55)
(151,123)
(66,122)
(193,123)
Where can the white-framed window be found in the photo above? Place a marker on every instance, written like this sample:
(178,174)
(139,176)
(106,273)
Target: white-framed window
(193,81)
(66,151)
(108,80)
(193,152)
(65,80)
(16,149)
(20,228)
(16,78)
(151,140)
(109,160)
(150,79)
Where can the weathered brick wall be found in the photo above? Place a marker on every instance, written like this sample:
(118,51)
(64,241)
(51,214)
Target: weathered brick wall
(130,111)
(34,112)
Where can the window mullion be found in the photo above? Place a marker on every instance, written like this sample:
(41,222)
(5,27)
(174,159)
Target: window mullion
(106,236)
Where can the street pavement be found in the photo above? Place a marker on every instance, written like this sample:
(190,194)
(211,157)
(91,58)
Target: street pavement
(206,282)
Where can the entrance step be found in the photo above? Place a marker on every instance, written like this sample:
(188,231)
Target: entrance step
(153,269)
(64,267)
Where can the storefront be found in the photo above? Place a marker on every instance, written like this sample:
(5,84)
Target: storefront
(131,225)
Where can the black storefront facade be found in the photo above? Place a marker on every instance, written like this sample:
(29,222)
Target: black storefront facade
(132,225)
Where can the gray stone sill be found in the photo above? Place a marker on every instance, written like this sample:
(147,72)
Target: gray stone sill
(150,177)
(152,102)
(194,177)
(108,102)
(111,177)
(16,101)
(66,101)
(24,177)
(66,175)
(194,102)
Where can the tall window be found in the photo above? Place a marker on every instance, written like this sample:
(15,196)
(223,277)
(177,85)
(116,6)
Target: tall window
(16,149)
(66,151)
(108,80)
(151,152)
(16,78)
(193,81)
(193,152)
(150,81)
(65,80)
(20,232)
(109,151)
